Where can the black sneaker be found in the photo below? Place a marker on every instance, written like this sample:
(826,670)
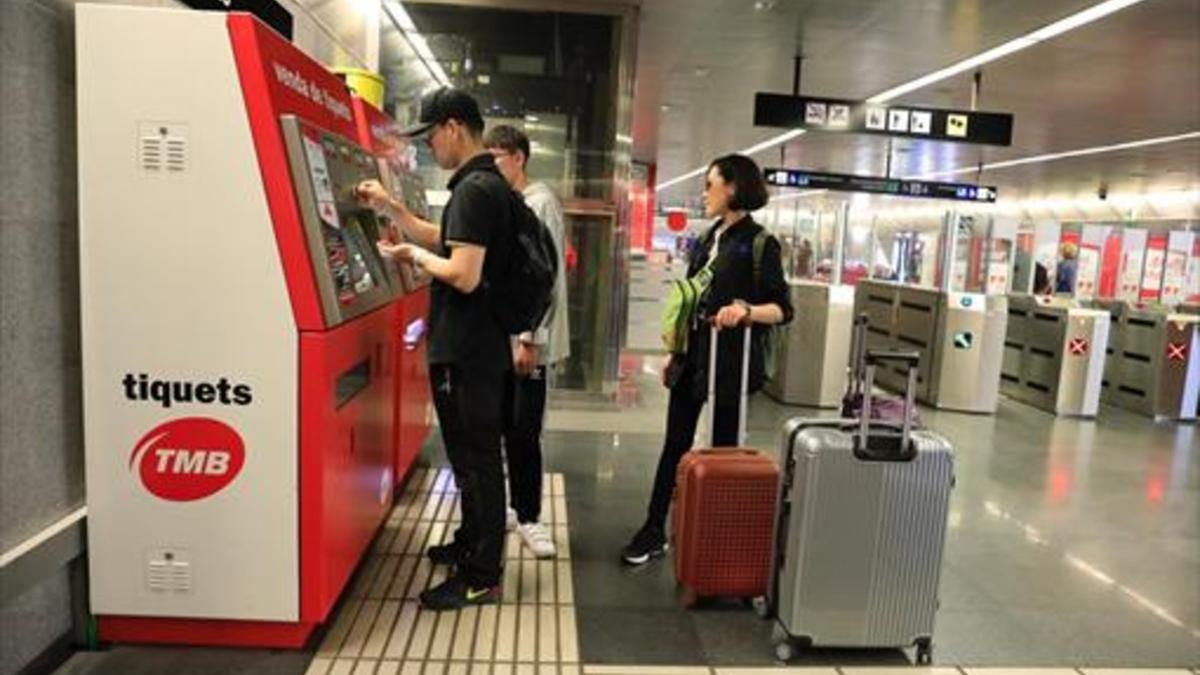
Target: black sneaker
(650,542)
(446,554)
(456,593)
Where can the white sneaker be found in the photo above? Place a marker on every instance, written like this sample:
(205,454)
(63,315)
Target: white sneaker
(537,539)
(510,520)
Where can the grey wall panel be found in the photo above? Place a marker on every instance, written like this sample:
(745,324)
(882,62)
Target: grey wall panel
(34,621)
(41,449)
(41,445)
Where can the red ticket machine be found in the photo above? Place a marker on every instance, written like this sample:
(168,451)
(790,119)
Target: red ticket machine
(397,169)
(237,331)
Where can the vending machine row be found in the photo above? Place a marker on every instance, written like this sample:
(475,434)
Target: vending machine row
(240,331)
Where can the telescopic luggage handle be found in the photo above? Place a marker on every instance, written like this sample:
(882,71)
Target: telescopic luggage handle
(878,356)
(872,360)
(858,348)
(712,384)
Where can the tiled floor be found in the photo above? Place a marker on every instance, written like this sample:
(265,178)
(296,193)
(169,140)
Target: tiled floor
(382,629)
(1072,544)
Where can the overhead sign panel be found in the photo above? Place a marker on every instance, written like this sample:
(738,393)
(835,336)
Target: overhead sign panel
(840,182)
(831,114)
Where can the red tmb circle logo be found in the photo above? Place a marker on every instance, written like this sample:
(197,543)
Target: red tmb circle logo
(189,458)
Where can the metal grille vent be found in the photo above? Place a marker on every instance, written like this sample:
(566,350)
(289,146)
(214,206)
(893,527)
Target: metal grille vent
(162,148)
(167,571)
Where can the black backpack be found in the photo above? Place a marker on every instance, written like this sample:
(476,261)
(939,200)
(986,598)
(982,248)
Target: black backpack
(521,299)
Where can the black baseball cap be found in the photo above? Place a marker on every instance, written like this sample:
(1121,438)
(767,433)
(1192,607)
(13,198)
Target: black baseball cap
(443,104)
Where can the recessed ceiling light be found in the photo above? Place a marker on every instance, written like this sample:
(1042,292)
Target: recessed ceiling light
(764,5)
(666,107)
(701,71)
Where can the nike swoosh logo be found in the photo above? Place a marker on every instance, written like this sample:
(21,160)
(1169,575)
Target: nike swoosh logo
(472,596)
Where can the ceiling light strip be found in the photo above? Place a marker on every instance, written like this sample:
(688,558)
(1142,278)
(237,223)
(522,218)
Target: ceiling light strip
(1081,18)
(1093,13)
(416,41)
(1082,152)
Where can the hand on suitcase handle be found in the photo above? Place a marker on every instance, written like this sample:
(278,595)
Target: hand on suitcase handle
(731,316)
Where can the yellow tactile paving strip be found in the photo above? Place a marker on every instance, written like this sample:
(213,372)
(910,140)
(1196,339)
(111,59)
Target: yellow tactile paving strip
(381,629)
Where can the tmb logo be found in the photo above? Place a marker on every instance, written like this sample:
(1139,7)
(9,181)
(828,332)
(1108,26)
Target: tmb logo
(189,458)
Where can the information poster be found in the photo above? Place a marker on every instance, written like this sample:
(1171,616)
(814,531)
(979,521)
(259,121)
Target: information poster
(1194,273)
(1086,272)
(1175,273)
(1174,277)
(1133,253)
(1152,270)
(998,267)
(1091,243)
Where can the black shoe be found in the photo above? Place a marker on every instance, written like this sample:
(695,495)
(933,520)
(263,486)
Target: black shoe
(650,542)
(456,593)
(447,554)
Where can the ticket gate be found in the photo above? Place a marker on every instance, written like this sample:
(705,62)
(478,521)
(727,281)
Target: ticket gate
(959,336)
(1153,368)
(1055,354)
(812,352)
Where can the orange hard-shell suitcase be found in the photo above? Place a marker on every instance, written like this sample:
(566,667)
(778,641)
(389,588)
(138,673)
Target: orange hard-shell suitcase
(723,522)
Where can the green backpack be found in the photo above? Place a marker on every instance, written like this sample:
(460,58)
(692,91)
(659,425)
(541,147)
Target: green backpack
(683,299)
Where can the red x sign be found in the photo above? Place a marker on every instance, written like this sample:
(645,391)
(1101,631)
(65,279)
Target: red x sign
(1177,351)
(1078,346)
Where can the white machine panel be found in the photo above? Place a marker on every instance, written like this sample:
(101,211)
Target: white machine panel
(192,480)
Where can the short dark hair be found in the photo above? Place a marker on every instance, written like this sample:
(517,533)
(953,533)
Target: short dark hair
(509,139)
(749,188)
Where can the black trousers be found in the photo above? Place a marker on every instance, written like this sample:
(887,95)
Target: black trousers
(524,411)
(468,403)
(683,414)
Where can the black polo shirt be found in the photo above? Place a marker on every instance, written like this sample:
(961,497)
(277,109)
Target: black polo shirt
(463,330)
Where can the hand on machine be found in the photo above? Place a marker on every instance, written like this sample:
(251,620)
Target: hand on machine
(371,193)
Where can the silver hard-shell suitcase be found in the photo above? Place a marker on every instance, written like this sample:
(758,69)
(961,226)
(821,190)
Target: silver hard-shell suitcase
(861,527)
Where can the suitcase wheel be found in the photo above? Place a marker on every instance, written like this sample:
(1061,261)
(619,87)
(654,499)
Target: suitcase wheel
(762,607)
(784,651)
(924,651)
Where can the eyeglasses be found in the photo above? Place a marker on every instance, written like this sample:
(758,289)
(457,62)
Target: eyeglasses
(427,139)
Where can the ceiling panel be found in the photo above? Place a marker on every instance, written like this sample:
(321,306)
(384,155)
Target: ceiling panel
(1129,76)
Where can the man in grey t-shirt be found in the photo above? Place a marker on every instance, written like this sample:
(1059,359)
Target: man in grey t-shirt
(533,352)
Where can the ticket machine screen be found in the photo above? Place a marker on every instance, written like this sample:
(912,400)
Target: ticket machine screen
(342,233)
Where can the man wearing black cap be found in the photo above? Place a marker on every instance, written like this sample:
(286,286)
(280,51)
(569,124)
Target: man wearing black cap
(469,352)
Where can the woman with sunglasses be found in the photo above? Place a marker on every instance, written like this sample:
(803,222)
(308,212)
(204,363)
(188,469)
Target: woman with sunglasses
(735,297)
